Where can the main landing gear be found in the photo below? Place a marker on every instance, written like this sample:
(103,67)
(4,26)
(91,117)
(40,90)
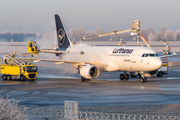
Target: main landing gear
(124,76)
(84,79)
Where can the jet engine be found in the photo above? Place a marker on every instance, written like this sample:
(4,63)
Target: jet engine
(151,73)
(89,71)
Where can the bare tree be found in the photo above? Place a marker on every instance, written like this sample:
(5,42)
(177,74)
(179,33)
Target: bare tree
(153,36)
(163,29)
(177,35)
(81,33)
(147,31)
(73,33)
(10,110)
(169,35)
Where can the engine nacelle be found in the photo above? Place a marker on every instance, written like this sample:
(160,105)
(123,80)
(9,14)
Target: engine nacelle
(89,71)
(151,73)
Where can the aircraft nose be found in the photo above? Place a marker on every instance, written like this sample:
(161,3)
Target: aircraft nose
(157,63)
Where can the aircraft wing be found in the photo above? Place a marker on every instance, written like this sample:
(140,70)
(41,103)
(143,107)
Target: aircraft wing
(51,51)
(59,61)
(168,55)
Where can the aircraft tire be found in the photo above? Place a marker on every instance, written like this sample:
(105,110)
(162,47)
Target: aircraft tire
(126,77)
(142,80)
(121,76)
(83,79)
(145,79)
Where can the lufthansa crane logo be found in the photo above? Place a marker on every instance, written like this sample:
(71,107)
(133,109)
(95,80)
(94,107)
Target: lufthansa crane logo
(61,37)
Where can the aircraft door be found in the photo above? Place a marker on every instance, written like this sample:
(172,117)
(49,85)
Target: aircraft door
(133,63)
(133,57)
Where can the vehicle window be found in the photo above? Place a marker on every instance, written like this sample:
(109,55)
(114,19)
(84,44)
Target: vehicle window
(35,45)
(152,55)
(156,55)
(30,45)
(31,68)
(143,55)
(146,55)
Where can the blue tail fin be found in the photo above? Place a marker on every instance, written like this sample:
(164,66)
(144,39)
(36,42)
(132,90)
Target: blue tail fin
(62,37)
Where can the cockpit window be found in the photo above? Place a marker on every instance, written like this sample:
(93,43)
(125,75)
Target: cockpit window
(156,55)
(152,55)
(143,55)
(146,55)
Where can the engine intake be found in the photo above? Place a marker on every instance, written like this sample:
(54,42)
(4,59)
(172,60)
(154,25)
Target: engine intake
(89,71)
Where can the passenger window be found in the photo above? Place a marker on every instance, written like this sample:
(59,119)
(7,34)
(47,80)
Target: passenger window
(143,55)
(146,55)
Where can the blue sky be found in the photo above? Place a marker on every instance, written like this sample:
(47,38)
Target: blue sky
(38,15)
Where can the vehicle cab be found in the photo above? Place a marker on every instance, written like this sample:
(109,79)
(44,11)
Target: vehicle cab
(29,71)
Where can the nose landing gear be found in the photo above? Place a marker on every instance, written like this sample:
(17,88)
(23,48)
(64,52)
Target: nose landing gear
(143,78)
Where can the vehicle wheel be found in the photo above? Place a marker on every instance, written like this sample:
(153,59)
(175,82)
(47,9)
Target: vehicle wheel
(83,79)
(126,76)
(121,76)
(4,77)
(32,79)
(8,77)
(160,74)
(22,78)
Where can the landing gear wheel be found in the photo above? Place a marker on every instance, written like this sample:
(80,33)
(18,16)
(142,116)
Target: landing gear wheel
(22,78)
(121,76)
(143,80)
(4,77)
(126,76)
(8,77)
(83,79)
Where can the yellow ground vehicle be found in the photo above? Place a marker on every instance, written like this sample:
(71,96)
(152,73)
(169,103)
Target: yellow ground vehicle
(17,69)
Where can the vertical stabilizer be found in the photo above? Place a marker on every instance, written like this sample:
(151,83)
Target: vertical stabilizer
(62,37)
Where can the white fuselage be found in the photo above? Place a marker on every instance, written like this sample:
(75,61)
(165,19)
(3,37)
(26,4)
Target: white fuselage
(119,58)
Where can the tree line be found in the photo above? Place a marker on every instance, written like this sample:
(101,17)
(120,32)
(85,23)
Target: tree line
(77,33)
